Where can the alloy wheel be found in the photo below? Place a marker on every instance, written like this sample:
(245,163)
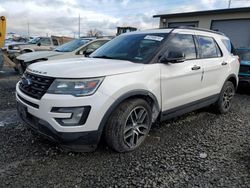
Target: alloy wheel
(227,97)
(136,127)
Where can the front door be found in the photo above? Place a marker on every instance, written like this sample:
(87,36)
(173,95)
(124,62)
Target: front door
(181,82)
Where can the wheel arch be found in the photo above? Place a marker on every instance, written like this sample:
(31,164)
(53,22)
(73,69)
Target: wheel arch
(233,78)
(143,94)
(26,50)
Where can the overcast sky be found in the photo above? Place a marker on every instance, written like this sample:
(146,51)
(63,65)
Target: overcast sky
(60,17)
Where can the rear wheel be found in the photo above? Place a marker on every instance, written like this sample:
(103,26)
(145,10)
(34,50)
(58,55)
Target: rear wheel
(129,125)
(224,103)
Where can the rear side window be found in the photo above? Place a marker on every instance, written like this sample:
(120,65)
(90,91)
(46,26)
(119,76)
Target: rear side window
(229,46)
(208,47)
(183,43)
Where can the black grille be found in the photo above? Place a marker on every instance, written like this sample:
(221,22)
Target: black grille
(245,69)
(35,85)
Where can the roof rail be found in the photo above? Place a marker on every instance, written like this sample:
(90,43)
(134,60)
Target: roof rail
(199,29)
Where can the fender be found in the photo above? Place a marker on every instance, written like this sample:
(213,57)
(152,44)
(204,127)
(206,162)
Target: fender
(28,49)
(123,97)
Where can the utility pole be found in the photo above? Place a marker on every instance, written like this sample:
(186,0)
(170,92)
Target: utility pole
(79,26)
(28,29)
(229,3)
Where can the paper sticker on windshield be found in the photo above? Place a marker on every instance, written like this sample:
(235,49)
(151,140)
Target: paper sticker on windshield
(152,37)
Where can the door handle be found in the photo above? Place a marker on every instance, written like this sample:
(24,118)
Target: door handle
(196,67)
(224,63)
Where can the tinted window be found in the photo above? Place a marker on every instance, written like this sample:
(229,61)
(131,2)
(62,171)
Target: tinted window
(183,43)
(139,48)
(208,47)
(228,45)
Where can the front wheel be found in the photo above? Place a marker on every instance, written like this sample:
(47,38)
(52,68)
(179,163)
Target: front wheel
(129,125)
(224,103)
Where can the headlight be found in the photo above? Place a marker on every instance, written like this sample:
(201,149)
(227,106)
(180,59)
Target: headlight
(79,87)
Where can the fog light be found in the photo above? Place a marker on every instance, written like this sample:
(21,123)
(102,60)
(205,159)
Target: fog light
(78,117)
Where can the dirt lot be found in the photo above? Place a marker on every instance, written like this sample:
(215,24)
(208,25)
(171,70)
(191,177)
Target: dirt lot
(200,149)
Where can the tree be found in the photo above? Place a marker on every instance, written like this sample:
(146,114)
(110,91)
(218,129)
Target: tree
(94,33)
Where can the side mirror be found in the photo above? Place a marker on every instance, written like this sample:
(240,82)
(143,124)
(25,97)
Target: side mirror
(39,44)
(173,57)
(88,52)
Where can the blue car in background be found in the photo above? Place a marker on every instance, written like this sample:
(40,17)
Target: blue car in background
(244,73)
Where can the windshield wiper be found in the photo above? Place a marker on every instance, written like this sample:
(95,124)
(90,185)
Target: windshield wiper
(104,57)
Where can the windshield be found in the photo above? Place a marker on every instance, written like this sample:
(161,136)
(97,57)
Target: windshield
(71,46)
(34,41)
(244,55)
(138,48)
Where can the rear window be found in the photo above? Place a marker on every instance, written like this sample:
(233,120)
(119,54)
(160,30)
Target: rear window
(208,47)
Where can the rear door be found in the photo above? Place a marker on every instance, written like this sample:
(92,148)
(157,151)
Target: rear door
(181,82)
(214,66)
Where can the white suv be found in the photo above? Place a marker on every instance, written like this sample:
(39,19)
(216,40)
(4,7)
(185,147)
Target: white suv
(128,84)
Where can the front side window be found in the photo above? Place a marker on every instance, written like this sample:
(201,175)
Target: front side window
(137,48)
(45,42)
(183,43)
(96,45)
(35,40)
(208,47)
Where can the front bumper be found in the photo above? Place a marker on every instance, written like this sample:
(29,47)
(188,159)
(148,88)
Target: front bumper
(76,141)
(41,118)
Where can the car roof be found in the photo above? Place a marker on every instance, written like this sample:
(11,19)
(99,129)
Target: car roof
(187,29)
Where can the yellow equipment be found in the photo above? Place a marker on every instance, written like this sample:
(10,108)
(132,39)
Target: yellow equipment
(2,30)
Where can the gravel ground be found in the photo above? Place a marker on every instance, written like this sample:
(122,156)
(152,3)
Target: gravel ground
(200,149)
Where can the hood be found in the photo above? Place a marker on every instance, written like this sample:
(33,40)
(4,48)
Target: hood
(83,67)
(32,56)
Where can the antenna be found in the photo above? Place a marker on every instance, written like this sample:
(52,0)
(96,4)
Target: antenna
(28,29)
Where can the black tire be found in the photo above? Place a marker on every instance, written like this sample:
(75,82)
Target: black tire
(224,103)
(124,122)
